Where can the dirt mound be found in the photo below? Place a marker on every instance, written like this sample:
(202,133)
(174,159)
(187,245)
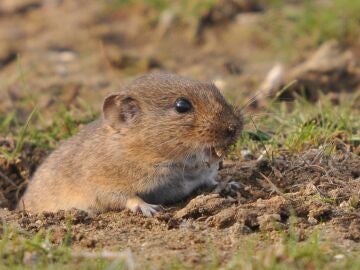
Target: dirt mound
(330,69)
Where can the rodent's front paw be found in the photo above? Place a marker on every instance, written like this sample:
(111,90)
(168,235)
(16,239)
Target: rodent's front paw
(149,210)
(227,188)
(136,204)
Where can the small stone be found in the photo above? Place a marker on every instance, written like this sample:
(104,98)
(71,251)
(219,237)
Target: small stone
(38,222)
(313,221)
(344,204)
(339,256)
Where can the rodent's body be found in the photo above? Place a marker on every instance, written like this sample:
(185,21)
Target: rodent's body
(141,153)
(104,176)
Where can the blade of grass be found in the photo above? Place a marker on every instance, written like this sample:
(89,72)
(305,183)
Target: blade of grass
(6,122)
(21,139)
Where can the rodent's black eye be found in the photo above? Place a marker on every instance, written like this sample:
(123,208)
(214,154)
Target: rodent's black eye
(182,105)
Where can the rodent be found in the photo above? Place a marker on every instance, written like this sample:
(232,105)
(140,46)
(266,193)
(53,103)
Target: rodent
(158,139)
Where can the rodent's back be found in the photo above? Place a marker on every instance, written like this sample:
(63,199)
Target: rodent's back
(62,173)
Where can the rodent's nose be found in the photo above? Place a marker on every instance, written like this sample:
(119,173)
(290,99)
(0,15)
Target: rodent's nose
(231,130)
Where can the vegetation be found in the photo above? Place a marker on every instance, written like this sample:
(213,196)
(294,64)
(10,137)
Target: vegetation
(303,126)
(21,250)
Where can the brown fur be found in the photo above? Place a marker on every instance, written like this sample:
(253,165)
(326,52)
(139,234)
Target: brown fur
(141,151)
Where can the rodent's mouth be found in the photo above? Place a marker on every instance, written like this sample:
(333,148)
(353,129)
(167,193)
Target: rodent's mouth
(219,151)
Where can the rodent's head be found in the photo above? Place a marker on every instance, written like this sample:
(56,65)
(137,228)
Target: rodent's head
(163,117)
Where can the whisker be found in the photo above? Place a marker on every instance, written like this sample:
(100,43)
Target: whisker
(251,101)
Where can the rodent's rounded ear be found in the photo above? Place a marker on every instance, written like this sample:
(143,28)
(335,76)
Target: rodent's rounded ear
(119,109)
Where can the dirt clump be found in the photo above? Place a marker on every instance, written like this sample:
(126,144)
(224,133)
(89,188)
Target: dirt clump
(203,205)
(224,12)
